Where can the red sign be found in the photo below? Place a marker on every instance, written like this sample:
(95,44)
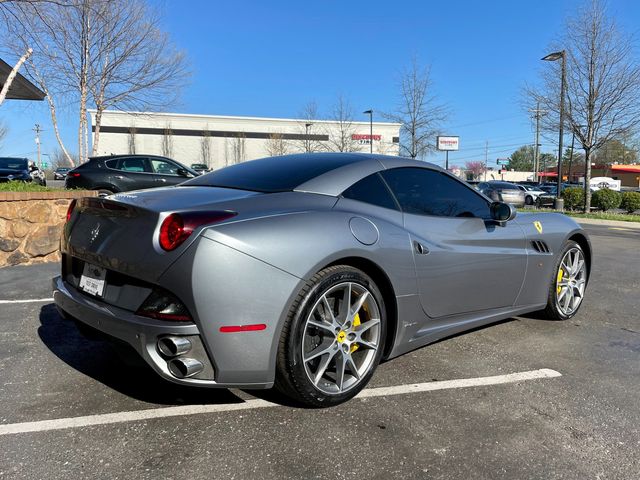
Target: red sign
(359,136)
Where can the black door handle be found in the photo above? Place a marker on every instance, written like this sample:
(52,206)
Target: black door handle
(420,249)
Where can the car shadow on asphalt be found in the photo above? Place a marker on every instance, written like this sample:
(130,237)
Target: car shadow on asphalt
(99,360)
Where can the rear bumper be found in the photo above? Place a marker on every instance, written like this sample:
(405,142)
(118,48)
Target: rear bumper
(139,332)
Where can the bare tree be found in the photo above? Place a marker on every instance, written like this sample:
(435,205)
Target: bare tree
(96,52)
(419,112)
(59,159)
(126,70)
(341,138)
(132,140)
(238,145)
(276,145)
(603,83)
(3,133)
(308,126)
(13,73)
(205,147)
(167,141)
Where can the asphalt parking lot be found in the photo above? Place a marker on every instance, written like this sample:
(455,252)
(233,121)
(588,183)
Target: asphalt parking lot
(583,423)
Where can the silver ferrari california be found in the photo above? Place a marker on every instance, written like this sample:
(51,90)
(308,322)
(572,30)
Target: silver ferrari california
(303,272)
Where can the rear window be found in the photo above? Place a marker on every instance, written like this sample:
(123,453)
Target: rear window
(275,174)
(13,163)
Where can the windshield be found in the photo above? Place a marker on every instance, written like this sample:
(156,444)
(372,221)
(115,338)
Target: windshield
(274,174)
(13,163)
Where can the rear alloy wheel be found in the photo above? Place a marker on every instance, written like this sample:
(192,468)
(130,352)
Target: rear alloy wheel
(334,338)
(567,288)
(528,200)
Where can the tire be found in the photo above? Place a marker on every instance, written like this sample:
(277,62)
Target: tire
(564,302)
(322,338)
(528,200)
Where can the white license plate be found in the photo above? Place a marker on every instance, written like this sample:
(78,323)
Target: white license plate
(92,279)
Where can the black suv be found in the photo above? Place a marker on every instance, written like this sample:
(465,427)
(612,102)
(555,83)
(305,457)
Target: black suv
(122,173)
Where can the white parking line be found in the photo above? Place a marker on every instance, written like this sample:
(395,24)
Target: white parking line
(138,415)
(30,300)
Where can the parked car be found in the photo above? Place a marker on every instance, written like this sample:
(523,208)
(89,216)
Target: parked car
(500,191)
(200,168)
(123,173)
(15,169)
(531,193)
(305,271)
(37,175)
(60,173)
(547,198)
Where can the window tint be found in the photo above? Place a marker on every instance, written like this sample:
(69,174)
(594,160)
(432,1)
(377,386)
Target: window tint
(163,167)
(112,163)
(428,192)
(133,164)
(274,174)
(371,190)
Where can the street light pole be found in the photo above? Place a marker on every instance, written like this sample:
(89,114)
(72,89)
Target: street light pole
(552,57)
(370,112)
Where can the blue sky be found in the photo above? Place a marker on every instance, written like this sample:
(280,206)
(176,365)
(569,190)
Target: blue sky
(269,59)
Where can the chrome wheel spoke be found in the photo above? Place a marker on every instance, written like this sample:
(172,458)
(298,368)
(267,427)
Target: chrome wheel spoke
(324,326)
(322,367)
(345,305)
(341,365)
(358,305)
(318,351)
(352,366)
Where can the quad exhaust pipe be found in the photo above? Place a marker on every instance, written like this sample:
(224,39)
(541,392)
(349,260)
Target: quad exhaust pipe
(185,367)
(174,346)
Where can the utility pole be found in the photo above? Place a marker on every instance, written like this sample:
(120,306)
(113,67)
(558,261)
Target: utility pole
(573,141)
(537,113)
(486,158)
(37,129)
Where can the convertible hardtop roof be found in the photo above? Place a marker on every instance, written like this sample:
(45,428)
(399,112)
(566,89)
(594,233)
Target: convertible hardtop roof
(323,173)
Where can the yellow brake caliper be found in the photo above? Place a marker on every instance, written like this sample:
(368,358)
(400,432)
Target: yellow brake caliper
(559,279)
(356,323)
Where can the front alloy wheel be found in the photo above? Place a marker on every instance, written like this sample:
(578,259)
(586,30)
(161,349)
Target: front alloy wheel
(333,339)
(567,287)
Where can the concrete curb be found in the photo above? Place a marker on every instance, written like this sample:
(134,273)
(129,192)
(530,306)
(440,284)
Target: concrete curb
(608,223)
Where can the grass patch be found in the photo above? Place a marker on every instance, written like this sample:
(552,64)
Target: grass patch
(25,187)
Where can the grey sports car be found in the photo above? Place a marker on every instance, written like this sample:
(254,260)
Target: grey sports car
(305,271)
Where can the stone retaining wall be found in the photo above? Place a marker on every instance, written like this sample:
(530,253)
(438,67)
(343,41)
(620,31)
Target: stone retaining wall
(31,225)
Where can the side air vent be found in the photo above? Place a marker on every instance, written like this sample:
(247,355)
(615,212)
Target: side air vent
(540,246)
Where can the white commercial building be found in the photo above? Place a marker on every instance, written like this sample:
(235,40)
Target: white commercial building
(221,140)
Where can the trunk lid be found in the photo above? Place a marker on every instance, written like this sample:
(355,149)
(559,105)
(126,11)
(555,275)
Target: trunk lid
(120,232)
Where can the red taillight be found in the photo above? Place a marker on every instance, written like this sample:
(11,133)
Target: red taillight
(176,228)
(73,174)
(72,205)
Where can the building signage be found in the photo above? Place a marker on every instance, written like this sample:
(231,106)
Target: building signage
(359,136)
(599,183)
(448,143)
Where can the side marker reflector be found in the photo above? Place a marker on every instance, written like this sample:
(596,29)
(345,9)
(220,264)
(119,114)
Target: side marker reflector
(242,328)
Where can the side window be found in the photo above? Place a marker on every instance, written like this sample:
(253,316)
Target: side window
(371,190)
(163,167)
(428,192)
(133,165)
(112,163)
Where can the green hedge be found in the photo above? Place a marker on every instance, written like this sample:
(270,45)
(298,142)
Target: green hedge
(573,198)
(605,199)
(630,201)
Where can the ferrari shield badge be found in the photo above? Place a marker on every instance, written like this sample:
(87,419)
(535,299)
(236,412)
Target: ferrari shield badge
(538,226)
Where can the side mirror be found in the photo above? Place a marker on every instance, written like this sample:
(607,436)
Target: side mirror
(183,172)
(502,212)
